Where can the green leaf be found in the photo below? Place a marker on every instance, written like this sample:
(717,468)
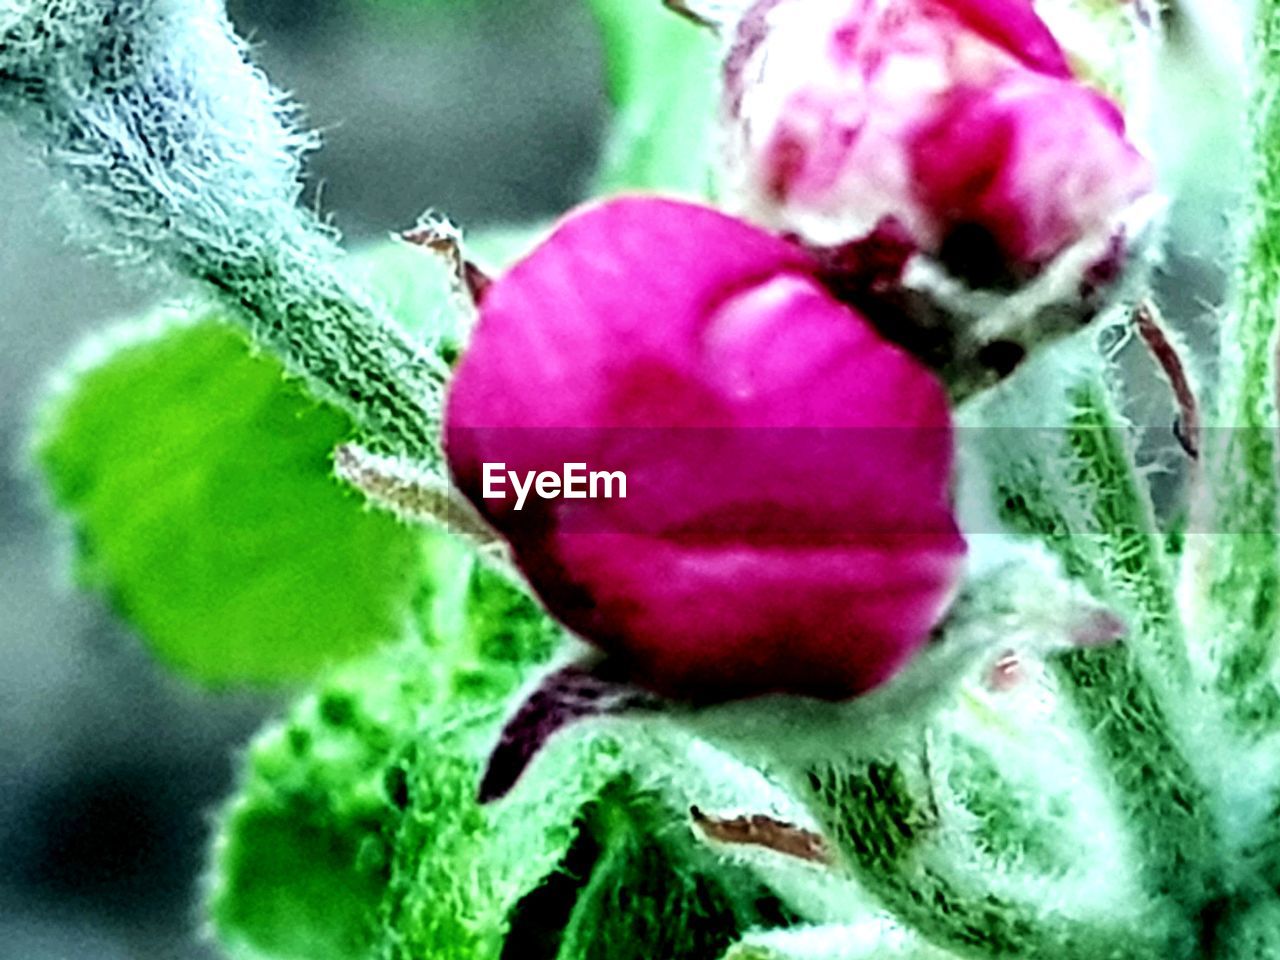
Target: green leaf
(296,891)
(460,869)
(662,79)
(603,809)
(356,832)
(303,851)
(199,485)
(486,631)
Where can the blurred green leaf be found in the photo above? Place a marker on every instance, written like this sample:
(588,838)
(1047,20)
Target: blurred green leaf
(296,894)
(662,80)
(198,483)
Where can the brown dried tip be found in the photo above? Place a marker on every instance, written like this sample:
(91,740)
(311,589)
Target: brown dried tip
(683,9)
(444,239)
(1151,329)
(761,831)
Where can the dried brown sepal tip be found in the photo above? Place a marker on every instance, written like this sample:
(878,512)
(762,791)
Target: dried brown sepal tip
(758,830)
(445,240)
(690,12)
(1151,328)
(415,495)
(716,15)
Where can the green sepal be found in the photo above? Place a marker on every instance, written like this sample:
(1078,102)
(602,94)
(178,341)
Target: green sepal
(1076,487)
(591,856)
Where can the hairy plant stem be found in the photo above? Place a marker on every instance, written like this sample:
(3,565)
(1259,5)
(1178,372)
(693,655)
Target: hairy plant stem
(1233,567)
(184,157)
(1081,495)
(884,831)
(1232,561)
(1076,488)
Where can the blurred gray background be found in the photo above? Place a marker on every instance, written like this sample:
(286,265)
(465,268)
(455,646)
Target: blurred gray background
(489,110)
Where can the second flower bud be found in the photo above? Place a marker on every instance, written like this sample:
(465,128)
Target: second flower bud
(955,127)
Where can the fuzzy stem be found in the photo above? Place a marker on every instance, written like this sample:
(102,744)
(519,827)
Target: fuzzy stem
(872,939)
(1088,506)
(1083,497)
(1235,565)
(1232,566)
(185,158)
(882,829)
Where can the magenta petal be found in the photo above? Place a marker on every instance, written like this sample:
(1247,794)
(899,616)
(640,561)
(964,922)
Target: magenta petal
(578,692)
(1036,162)
(787,525)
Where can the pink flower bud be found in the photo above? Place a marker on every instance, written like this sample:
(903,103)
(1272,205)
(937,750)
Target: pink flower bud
(787,523)
(849,115)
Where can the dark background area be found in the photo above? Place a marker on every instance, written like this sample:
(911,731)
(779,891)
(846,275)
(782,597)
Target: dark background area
(110,768)
(487,110)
